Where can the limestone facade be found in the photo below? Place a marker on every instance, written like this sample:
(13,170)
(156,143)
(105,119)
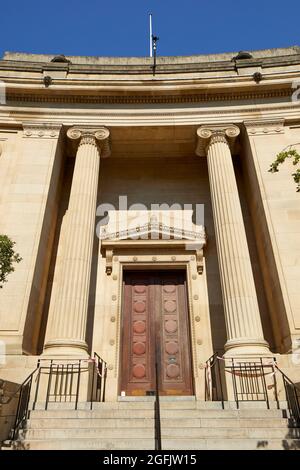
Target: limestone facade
(202,131)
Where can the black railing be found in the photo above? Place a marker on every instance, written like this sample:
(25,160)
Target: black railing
(213,380)
(248,379)
(99,374)
(251,381)
(58,381)
(22,395)
(157,409)
(62,379)
(292,393)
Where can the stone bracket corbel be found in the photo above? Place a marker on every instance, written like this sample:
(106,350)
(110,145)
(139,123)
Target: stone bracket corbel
(199,261)
(109,259)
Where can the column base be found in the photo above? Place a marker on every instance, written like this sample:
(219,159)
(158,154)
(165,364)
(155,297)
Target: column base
(247,348)
(66,348)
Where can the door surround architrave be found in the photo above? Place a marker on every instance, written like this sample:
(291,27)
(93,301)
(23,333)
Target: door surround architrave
(120,254)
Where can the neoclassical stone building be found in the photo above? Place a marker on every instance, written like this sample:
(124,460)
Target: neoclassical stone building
(105,167)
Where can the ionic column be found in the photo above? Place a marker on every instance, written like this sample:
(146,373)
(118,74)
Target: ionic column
(243,323)
(67,325)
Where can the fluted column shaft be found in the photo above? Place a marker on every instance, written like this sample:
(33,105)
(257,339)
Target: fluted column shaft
(69,317)
(242,316)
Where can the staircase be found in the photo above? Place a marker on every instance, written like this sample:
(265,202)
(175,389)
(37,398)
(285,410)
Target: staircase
(186,424)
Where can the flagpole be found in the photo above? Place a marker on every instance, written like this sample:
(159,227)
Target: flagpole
(150,20)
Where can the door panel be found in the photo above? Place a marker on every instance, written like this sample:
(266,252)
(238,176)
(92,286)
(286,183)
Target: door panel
(155,327)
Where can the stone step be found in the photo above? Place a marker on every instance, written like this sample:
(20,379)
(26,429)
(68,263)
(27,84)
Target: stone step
(87,444)
(220,414)
(84,433)
(65,423)
(230,444)
(171,421)
(107,412)
(163,398)
(103,413)
(167,433)
(168,444)
(164,404)
(258,433)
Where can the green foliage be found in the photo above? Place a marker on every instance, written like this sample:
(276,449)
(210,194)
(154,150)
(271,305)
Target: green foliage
(281,157)
(7,258)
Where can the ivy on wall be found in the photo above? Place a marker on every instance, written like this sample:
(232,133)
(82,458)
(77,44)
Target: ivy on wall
(282,157)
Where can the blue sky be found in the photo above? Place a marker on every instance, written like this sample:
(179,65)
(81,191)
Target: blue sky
(120,28)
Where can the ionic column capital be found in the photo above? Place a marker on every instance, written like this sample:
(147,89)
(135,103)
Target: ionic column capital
(208,135)
(98,136)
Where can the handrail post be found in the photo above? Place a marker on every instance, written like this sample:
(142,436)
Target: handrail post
(220,380)
(17,414)
(37,385)
(93,378)
(49,385)
(104,381)
(78,384)
(234,383)
(275,384)
(264,384)
(157,410)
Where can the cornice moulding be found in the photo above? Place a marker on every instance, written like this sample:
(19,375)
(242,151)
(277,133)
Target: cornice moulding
(148,99)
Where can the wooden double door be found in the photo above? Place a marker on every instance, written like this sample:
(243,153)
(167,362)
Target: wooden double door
(155,329)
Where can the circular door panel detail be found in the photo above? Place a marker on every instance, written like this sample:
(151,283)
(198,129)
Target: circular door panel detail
(139,289)
(170,306)
(173,371)
(171,326)
(172,347)
(139,326)
(169,288)
(139,307)
(139,348)
(139,371)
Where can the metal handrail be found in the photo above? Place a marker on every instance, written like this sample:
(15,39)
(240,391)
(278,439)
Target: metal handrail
(98,386)
(24,391)
(61,385)
(157,409)
(292,393)
(210,365)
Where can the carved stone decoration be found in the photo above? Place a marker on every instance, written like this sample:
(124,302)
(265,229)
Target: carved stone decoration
(155,231)
(199,259)
(153,235)
(61,58)
(109,260)
(134,99)
(47,81)
(207,134)
(263,127)
(41,131)
(96,136)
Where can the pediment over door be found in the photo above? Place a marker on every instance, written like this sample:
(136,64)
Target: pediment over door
(152,236)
